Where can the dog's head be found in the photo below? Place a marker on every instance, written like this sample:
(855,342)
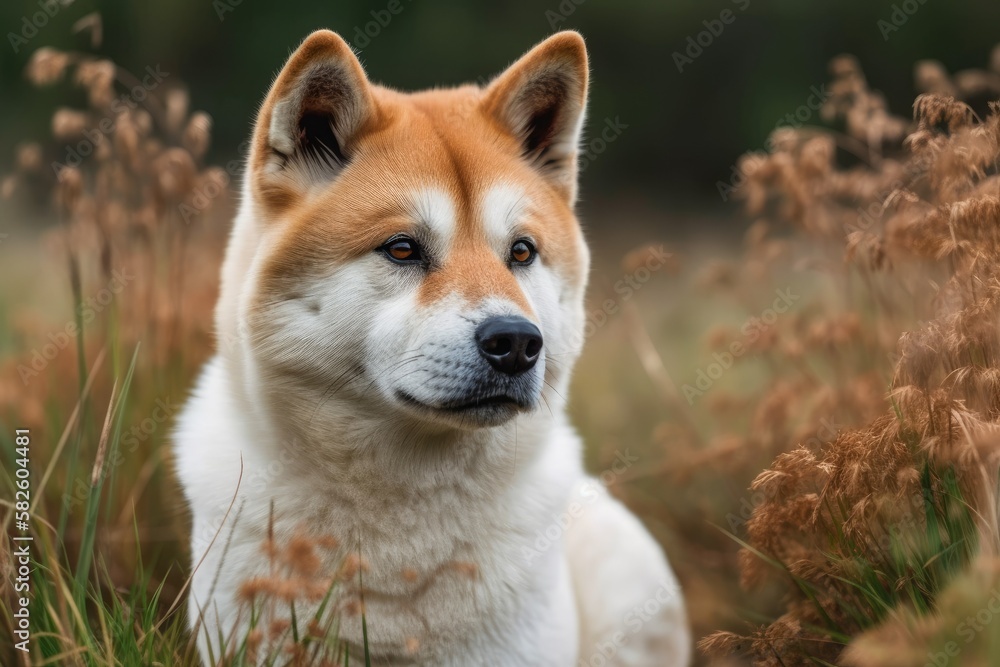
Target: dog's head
(414,255)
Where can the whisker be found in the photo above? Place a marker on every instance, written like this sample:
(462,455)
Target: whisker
(549,385)
(548,407)
(337,385)
(393,369)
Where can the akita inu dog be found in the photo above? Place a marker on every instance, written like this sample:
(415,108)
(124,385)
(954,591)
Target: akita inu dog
(402,302)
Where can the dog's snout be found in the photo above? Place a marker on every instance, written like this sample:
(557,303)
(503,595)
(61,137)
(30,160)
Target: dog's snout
(510,344)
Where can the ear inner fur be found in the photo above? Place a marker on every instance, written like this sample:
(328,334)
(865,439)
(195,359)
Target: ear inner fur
(318,106)
(541,99)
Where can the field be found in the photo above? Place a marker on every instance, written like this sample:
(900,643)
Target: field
(808,413)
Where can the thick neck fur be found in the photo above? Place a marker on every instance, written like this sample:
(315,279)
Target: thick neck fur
(354,446)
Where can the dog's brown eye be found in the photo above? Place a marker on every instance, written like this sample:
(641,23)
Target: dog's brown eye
(403,250)
(522,252)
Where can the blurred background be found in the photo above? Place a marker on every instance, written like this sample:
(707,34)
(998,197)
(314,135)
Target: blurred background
(681,130)
(680,90)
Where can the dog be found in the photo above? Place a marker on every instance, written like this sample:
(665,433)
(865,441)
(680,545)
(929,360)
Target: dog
(402,301)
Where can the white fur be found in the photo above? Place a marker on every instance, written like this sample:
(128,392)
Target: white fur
(503,205)
(281,429)
(434,207)
(416,498)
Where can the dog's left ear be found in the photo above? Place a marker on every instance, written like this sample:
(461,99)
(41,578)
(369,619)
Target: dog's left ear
(542,99)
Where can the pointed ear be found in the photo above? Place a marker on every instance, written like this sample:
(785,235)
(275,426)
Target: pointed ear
(309,124)
(541,99)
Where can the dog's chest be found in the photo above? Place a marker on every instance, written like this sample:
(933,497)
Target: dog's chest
(435,573)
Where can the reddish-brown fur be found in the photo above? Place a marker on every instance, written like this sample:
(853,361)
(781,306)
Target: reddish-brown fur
(450,139)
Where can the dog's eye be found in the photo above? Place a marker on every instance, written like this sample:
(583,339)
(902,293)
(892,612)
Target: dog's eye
(403,250)
(522,252)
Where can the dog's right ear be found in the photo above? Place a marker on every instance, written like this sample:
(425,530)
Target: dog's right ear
(318,106)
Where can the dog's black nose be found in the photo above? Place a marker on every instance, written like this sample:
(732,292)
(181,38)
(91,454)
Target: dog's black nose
(510,344)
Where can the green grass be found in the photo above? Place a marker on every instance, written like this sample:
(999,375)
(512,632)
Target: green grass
(79,615)
(100,597)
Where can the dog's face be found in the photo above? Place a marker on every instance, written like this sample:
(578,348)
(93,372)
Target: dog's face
(416,256)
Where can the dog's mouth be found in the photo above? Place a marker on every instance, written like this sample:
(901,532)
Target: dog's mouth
(495,408)
(479,402)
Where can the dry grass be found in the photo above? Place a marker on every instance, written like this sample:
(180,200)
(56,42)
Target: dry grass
(872,524)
